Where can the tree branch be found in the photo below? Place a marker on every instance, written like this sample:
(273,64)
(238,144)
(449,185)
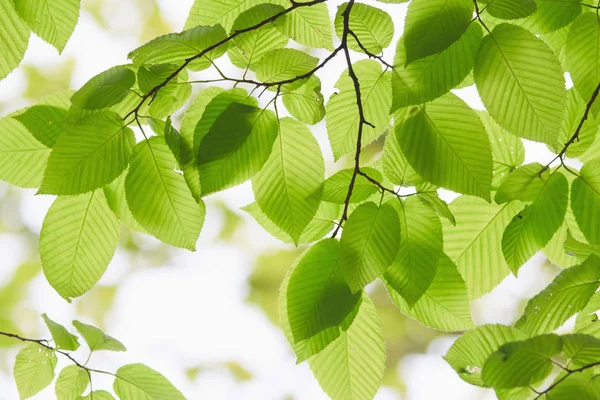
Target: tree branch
(569,373)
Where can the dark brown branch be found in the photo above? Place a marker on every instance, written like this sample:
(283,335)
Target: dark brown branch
(575,137)
(569,373)
(368,53)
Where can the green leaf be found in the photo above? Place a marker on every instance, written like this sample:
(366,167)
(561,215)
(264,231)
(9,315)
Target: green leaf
(395,167)
(288,187)
(552,15)
(370,241)
(91,154)
(176,48)
(44,122)
(215,105)
(236,147)
(322,223)
(524,183)
(99,395)
(532,228)
(573,116)
(372,26)
(585,201)
(97,339)
(450,133)
(439,206)
(71,383)
(194,112)
(61,336)
(444,305)
(510,9)
(22,158)
(159,198)
(524,94)
(306,103)
(34,369)
(336,186)
(78,239)
(310,26)
(474,244)
(433,76)
(304,349)
(584,386)
(223,12)
(105,89)
(352,366)
(318,297)
(139,382)
(284,65)
(582,52)
(508,151)
(521,363)
(14,38)
(342,113)
(581,349)
(418,256)
(568,294)
(433,25)
(52,20)
(469,352)
(117,202)
(251,46)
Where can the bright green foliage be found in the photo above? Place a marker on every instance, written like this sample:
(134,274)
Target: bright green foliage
(526,96)
(306,102)
(373,27)
(474,244)
(510,9)
(566,295)
(534,226)
(78,239)
(583,54)
(315,286)
(139,382)
(61,336)
(399,133)
(236,147)
(22,158)
(251,46)
(288,187)
(322,223)
(89,155)
(521,363)
(417,259)
(310,26)
(585,201)
(105,89)
(336,186)
(45,122)
(71,383)
(444,305)
(178,47)
(469,352)
(14,38)
(431,77)
(433,25)
(282,65)
(34,369)
(159,198)
(448,131)
(352,366)
(52,20)
(96,339)
(369,243)
(342,117)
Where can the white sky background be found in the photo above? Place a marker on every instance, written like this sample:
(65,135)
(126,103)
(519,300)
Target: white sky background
(194,312)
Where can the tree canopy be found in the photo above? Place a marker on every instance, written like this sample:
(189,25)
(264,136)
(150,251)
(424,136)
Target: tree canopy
(369,217)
